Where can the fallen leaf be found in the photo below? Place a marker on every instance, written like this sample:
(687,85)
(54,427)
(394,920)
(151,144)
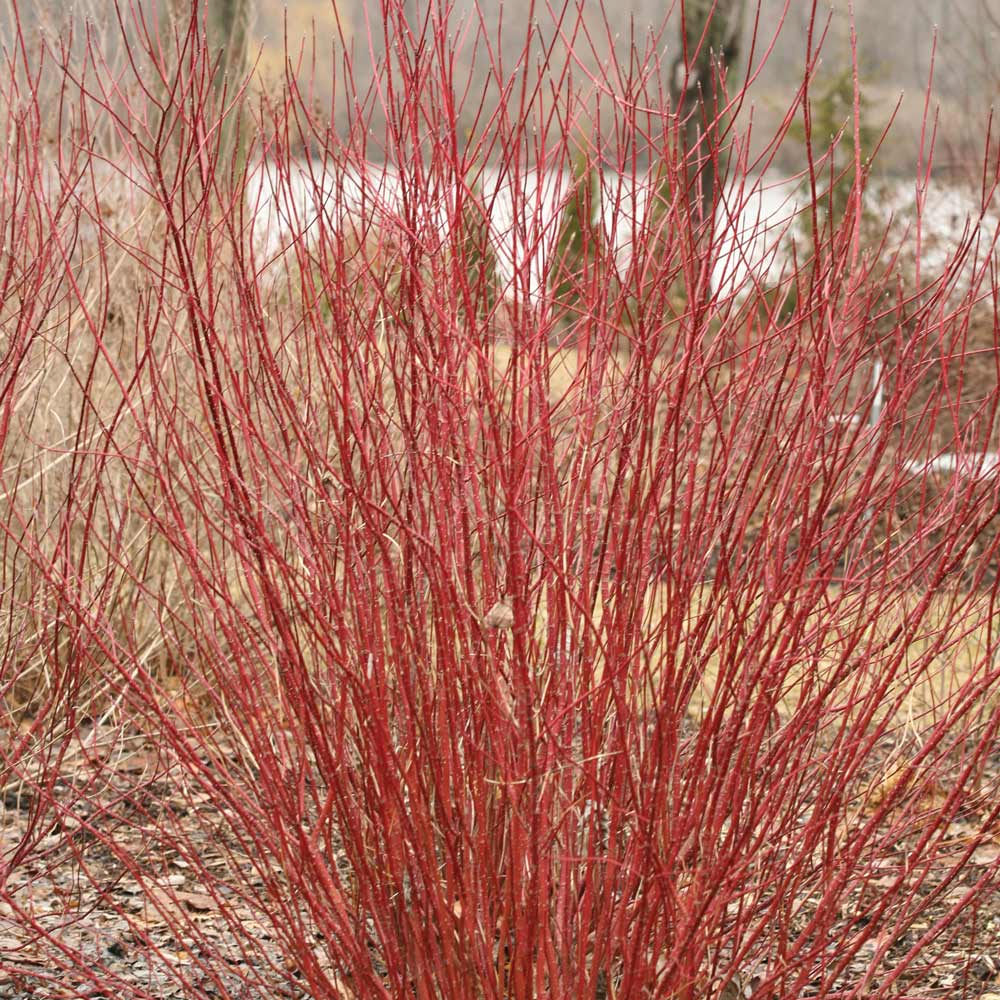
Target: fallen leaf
(499,616)
(985,855)
(200,902)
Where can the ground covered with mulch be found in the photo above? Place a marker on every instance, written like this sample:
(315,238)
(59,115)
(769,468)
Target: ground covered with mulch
(98,892)
(90,911)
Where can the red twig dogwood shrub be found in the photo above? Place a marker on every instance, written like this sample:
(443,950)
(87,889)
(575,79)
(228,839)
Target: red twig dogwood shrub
(439,562)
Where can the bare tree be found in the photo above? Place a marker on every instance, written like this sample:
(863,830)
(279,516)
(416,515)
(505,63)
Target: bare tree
(227,25)
(711,33)
(230,23)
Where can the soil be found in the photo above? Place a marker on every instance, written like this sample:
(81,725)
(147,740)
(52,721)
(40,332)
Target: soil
(110,934)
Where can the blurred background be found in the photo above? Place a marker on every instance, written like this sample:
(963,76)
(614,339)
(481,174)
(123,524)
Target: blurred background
(898,42)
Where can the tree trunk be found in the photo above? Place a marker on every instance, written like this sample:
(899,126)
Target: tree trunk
(229,30)
(227,25)
(711,33)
